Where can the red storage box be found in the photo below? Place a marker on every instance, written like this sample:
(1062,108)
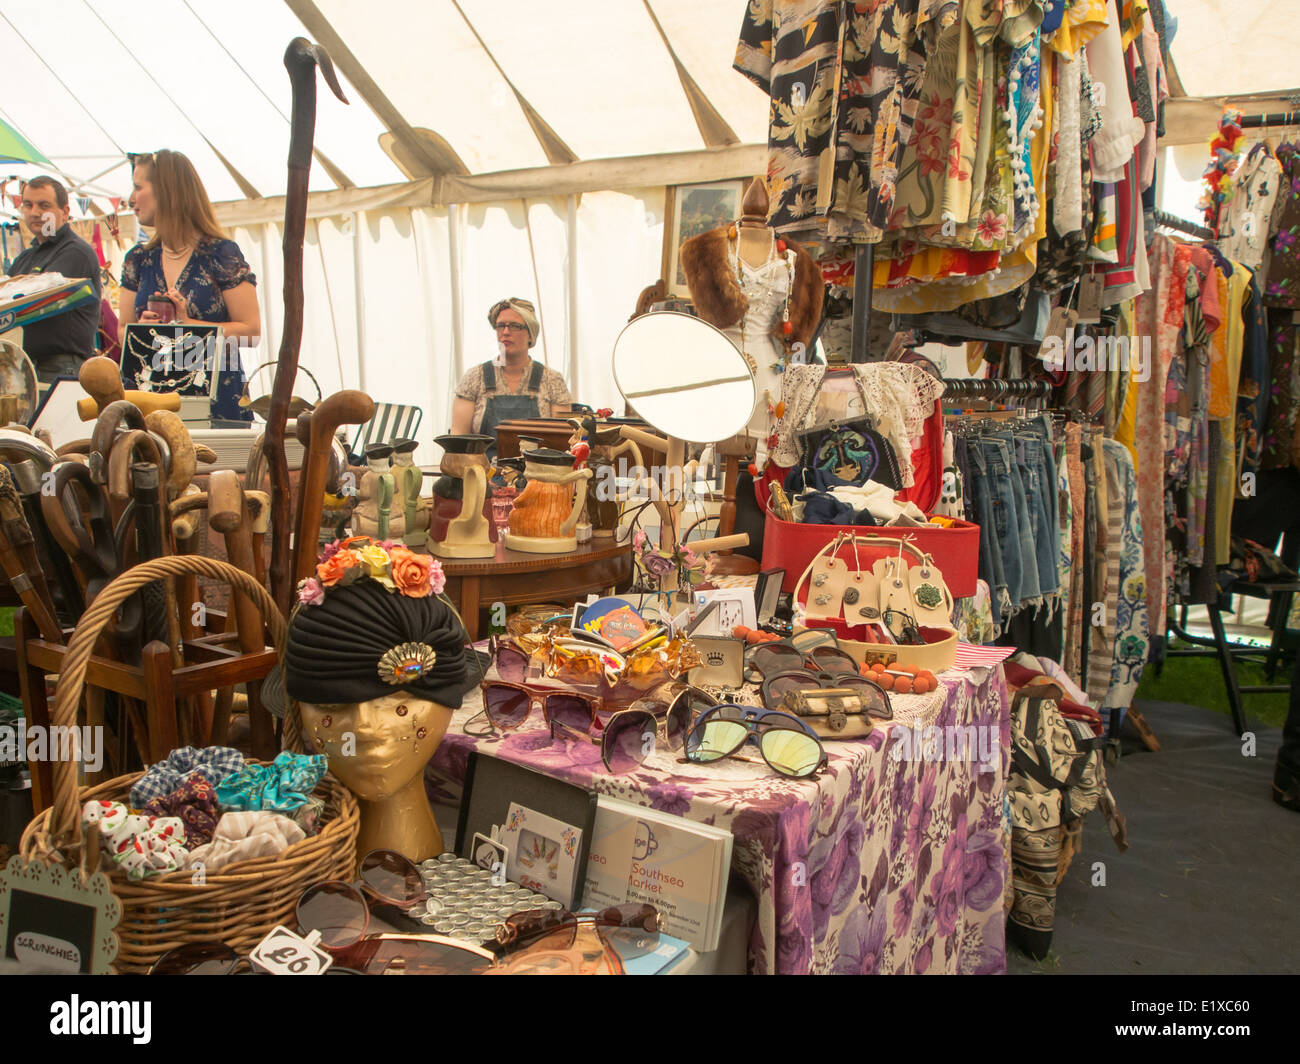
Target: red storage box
(956,550)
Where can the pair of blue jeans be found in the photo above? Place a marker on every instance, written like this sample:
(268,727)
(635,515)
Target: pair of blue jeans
(1011,453)
(1039,477)
(979,510)
(1003,485)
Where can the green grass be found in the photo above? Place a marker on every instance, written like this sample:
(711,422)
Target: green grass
(1199,682)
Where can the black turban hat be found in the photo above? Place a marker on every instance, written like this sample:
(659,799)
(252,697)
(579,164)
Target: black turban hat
(364,642)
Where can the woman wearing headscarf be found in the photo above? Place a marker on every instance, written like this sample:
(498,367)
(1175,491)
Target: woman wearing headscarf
(513,385)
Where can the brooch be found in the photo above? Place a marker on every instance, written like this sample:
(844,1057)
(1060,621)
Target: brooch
(406,663)
(929,596)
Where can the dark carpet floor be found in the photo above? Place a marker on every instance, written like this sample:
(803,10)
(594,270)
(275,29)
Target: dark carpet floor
(1210,883)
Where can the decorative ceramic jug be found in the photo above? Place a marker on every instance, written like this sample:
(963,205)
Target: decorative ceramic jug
(469,534)
(546,512)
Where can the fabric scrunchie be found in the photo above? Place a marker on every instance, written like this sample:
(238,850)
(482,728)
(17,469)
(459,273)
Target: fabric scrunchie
(279,787)
(140,845)
(194,802)
(213,763)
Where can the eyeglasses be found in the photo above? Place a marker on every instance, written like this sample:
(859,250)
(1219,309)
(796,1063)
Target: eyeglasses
(508,705)
(787,744)
(786,655)
(629,737)
(334,914)
(512,326)
(630,930)
(874,697)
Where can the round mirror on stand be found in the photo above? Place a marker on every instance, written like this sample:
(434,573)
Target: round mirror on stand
(684,377)
(688,381)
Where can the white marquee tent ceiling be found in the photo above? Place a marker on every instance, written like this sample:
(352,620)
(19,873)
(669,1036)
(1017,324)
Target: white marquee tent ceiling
(460,87)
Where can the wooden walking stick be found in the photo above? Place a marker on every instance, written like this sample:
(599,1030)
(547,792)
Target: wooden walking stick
(301,59)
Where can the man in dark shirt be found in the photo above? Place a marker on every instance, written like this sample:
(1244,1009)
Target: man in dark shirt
(59,344)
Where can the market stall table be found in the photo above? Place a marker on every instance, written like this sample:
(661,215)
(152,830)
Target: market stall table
(887,862)
(517,578)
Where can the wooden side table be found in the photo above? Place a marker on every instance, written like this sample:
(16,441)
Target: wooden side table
(517,579)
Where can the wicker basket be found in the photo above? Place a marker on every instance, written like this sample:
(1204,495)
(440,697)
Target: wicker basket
(245,900)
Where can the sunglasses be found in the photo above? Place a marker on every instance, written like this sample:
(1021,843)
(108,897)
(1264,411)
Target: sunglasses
(787,744)
(510,658)
(785,655)
(629,930)
(874,697)
(511,326)
(334,914)
(507,705)
(630,737)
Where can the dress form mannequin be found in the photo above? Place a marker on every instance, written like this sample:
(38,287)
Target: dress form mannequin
(379,750)
(763,291)
(374,515)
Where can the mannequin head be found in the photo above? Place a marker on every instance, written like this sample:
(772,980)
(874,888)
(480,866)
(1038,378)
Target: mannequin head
(376,672)
(376,748)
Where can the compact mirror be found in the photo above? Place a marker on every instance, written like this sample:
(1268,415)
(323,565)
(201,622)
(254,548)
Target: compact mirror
(684,377)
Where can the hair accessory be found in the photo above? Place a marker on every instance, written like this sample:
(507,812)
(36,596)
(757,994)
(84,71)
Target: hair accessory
(406,663)
(393,565)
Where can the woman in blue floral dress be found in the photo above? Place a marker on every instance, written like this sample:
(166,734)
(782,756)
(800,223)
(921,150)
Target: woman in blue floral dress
(191,262)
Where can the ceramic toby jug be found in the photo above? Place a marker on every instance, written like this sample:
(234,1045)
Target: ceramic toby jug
(547,511)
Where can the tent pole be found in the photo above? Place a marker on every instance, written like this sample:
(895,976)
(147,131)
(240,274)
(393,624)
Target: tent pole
(864,263)
(572,272)
(359,294)
(454,211)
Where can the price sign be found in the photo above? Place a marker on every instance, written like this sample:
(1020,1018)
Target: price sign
(284,953)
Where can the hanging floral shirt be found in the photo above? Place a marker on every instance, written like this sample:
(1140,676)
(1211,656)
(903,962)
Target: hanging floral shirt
(789,48)
(886,45)
(1283,286)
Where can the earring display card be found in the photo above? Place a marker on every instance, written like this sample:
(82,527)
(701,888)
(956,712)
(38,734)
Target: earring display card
(543,852)
(492,787)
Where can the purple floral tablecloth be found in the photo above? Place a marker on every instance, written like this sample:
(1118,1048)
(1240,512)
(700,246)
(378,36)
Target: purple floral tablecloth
(894,860)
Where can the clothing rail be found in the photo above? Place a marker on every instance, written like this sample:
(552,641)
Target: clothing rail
(1279,118)
(1172,221)
(995,388)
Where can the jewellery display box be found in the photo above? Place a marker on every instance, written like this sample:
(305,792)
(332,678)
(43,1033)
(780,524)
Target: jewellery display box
(938,653)
(955,550)
(723,661)
(493,786)
(190,360)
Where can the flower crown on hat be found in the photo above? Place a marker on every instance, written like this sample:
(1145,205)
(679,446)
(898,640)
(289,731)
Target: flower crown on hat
(396,567)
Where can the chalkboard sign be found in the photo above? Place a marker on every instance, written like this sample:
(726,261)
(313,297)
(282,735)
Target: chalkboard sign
(51,920)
